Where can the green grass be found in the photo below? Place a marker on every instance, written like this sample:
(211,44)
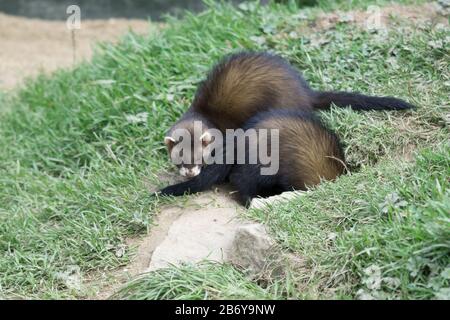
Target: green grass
(392,218)
(203,281)
(74,173)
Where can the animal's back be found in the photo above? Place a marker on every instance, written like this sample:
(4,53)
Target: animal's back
(244,84)
(308,151)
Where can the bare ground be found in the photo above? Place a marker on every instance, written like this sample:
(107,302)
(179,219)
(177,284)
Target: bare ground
(384,16)
(195,231)
(28,46)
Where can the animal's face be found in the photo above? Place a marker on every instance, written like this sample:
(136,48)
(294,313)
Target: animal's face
(186,151)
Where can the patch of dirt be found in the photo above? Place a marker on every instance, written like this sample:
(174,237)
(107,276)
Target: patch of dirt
(108,284)
(202,228)
(213,210)
(381,17)
(148,244)
(411,126)
(30,46)
(205,232)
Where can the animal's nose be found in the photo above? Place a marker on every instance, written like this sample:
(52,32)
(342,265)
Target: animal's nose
(190,173)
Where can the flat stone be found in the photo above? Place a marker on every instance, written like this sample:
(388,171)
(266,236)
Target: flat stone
(208,227)
(204,233)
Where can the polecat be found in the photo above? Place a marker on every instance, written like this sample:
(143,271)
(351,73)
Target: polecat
(244,84)
(307,153)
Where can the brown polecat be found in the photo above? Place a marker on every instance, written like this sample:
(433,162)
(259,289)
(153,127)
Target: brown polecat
(244,84)
(307,152)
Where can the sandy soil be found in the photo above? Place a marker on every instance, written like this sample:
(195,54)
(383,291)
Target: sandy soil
(384,17)
(198,230)
(28,46)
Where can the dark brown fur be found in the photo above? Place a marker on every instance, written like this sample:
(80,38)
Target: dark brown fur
(245,84)
(308,151)
(308,154)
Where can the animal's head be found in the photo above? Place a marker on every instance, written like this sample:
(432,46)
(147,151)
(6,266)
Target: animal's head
(186,142)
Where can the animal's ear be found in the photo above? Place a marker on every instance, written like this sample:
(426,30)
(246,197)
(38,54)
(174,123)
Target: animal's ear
(206,138)
(169,141)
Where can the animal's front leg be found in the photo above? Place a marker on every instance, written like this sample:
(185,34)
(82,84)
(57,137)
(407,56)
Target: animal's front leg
(210,175)
(179,189)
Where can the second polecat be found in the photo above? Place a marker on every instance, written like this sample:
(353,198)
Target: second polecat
(244,84)
(307,152)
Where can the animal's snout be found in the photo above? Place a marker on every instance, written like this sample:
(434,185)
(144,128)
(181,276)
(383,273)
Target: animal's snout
(190,172)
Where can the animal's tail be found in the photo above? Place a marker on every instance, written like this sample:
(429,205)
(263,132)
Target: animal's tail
(324,99)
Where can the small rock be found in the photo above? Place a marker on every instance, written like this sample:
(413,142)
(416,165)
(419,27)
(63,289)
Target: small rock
(251,248)
(257,253)
(261,203)
(71,278)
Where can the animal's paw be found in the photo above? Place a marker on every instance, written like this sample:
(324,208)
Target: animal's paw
(167,191)
(174,191)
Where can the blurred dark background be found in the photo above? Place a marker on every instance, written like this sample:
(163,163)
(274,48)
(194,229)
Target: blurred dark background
(104,9)
(100,9)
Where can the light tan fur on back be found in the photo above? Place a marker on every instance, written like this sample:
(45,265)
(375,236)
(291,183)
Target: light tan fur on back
(309,152)
(249,83)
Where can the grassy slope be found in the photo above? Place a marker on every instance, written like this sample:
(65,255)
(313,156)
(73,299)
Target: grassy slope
(74,172)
